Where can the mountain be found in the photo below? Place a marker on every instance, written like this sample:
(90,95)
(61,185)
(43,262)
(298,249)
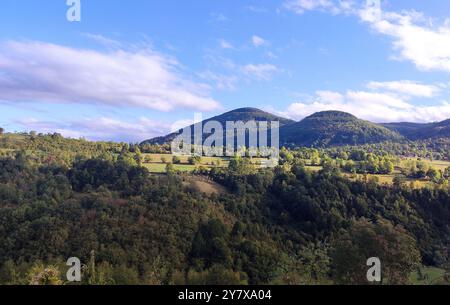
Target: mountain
(331,128)
(408,130)
(417,131)
(241,114)
(326,128)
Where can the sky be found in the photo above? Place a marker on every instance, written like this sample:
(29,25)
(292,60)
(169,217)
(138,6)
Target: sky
(130,71)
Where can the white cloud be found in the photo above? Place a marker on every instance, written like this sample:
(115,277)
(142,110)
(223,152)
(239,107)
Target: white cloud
(333,6)
(107,42)
(381,107)
(227,74)
(259,42)
(415,38)
(330,96)
(363,98)
(225,44)
(222,82)
(271,55)
(260,71)
(44,72)
(218,17)
(300,6)
(427,46)
(410,88)
(256,9)
(100,129)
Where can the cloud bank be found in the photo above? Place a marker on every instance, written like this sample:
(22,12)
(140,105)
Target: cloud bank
(33,71)
(384,102)
(100,129)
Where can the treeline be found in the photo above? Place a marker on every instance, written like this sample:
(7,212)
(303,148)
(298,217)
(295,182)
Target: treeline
(433,149)
(355,161)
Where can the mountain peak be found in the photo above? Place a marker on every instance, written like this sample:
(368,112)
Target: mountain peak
(332,128)
(241,114)
(333,114)
(247,109)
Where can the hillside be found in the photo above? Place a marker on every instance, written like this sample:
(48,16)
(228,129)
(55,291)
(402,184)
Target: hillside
(335,128)
(242,114)
(417,131)
(330,128)
(408,130)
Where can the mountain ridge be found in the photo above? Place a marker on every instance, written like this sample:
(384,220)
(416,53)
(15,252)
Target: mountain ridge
(329,128)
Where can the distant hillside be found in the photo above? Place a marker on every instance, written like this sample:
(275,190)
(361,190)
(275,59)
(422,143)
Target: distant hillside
(416,131)
(331,128)
(408,130)
(242,114)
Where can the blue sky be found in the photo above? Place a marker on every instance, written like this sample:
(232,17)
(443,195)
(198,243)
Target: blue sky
(128,71)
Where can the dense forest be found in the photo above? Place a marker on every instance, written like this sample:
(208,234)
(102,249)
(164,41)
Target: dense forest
(61,198)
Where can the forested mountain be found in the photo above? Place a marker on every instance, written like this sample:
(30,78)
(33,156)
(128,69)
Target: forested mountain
(332,128)
(327,128)
(416,131)
(242,114)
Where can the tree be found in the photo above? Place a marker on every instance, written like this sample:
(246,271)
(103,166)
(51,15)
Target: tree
(422,169)
(396,249)
(169,168)
(138,158)
(209,246)
(315,262)
(216,275)
(398,181)
(260,261)
(2,130)
(158,272)
(194,160)
(315,158)
(41,275)
(446,173)
(350,166)
(286,156)
(434,175)
(127,158)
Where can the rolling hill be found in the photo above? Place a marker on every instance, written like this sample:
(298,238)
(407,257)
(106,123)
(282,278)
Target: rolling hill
(417,131)
(241,114)
(331,128)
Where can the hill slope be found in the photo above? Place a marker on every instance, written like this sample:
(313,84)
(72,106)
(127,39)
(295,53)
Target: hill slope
(417,131)
(330,128)
(242,114)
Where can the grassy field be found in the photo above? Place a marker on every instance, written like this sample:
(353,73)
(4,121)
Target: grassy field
(314,168)
(156,163)
(428,276)
(388,179)
(437,164)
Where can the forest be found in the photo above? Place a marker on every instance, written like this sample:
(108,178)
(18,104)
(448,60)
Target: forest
(62,198)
